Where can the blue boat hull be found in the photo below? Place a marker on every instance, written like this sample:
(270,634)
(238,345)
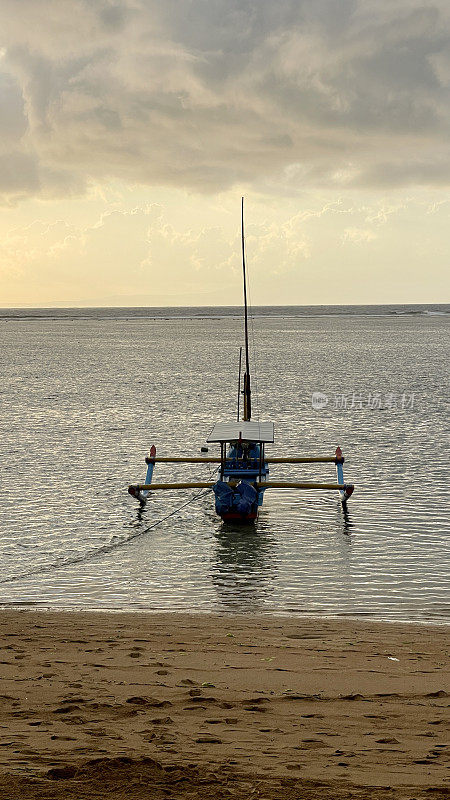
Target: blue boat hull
(237,503)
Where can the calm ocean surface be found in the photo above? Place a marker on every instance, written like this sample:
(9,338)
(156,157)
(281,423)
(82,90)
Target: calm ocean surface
(85,392)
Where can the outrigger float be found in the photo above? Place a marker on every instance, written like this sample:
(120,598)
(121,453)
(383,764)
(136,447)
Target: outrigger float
(243,465)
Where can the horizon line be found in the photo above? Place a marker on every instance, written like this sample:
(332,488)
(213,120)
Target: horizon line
(261,305)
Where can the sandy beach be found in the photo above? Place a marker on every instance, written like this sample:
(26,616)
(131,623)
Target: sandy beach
(170,705)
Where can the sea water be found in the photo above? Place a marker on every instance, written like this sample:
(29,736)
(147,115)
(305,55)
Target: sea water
(86,392)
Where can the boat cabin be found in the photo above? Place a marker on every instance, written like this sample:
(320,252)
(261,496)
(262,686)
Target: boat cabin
(242,448)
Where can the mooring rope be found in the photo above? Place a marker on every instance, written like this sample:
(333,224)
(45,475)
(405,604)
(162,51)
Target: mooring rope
(106,548)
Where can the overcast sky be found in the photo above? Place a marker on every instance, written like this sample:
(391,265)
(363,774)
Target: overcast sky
(130,129)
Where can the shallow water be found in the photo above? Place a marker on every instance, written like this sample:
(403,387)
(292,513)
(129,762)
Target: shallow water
(84,395)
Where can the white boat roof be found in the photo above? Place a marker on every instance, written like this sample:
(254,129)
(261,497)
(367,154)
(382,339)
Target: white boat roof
(247,431)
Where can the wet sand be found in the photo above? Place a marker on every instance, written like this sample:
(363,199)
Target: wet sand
(170,705)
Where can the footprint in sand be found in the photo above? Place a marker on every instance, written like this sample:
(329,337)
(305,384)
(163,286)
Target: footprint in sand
(208,740)
(148,701)
(63,738)
(200,699)
(255,701)
(160,738)
(70,700)
(61,773)
(255,708)
(387,741)
(66,709)
(352,697)
(313,744)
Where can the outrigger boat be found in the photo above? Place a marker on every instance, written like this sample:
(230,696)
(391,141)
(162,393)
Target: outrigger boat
(244,467)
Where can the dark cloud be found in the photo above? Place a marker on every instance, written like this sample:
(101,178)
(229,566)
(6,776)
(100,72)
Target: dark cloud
(207,93)
(13,121)
(19,173)
(406,173)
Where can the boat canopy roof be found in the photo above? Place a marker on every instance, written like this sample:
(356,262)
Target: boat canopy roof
(247,431)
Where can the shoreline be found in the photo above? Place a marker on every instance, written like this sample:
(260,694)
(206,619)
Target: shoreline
(266,615)
(319,702)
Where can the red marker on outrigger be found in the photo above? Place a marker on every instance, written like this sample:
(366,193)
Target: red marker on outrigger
(142,494)
(347,489)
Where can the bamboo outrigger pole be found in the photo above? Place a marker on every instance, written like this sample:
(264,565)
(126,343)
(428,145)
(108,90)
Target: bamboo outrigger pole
(247,390)
(274,460)
(152,487)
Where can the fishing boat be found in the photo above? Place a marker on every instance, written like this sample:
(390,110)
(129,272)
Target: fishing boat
(243,467)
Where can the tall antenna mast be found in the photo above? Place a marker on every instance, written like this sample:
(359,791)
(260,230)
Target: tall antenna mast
(247,391)
(239,385)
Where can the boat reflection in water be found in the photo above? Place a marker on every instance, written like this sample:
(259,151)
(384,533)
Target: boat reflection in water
(347,523)
(243,568)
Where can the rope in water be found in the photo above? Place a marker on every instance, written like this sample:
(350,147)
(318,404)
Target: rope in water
(106,548)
